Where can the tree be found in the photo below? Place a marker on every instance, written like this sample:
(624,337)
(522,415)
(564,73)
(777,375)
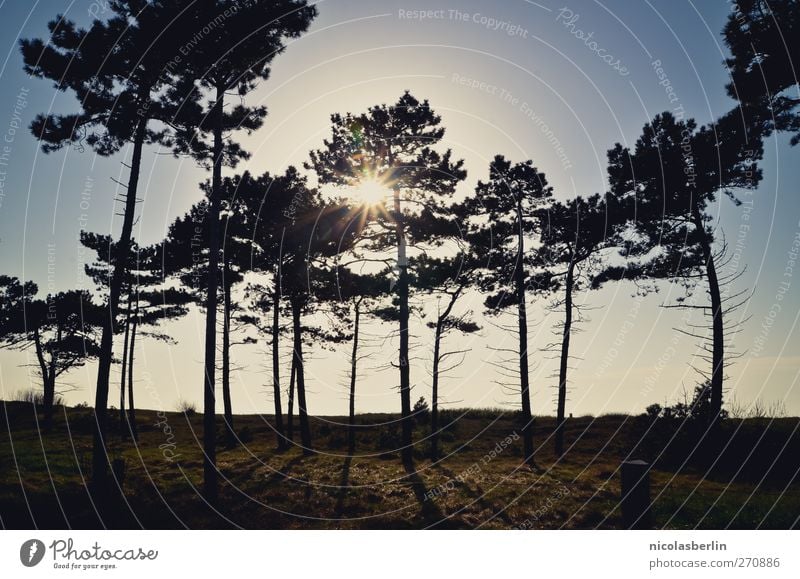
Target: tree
(673,176)
(505,223)
(762,67)
(118,71)
(392,147)
(266,206)
(356,294)
(314,235)
(574,235)
(448,278)
(235,57)
(148,303)
(61,329)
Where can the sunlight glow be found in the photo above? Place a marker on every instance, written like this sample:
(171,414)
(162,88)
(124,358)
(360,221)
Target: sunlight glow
(371,192)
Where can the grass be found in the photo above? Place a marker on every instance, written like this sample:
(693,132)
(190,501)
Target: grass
(477,484)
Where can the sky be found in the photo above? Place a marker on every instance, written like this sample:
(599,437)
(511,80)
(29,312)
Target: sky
(548,81)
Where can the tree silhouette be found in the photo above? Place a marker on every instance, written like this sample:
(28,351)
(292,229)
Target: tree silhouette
(508,210)
(62,330)
(246,38)
(149,302)
(117,71)
(448,279)
(392,146)
(354,295)
(763,72)
(574,235)
(268,205)
(673,176)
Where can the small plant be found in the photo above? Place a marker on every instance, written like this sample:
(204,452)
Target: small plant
(186,407)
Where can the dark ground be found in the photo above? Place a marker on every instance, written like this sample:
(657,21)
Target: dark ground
(746,477)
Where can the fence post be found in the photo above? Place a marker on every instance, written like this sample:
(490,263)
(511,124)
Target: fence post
(635,499)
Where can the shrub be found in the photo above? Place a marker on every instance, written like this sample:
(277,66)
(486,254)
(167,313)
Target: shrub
(188,408)
(36,397)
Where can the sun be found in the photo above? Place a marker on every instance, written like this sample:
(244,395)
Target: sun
(371,192)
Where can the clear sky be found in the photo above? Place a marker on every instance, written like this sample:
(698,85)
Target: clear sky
(507,77)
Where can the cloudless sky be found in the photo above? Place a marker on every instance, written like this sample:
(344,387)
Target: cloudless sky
(507,77)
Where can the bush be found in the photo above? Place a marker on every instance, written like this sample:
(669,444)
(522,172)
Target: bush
(188,408)
(36,397)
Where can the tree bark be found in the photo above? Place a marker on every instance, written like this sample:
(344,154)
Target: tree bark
(519,280)
(276,364)
(718,333)
(435,392)
(437,344)
(131,405)
(407,450)
(290,424)
(305,431)
(210,475)
(48,384)
(562,374)
(124,366)
(353,370)
(99,479)
(230,433)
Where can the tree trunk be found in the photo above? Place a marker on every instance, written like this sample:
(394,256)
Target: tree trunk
(290,424)
(435,392)
(99,454)
(48,383)
(437,345)
(407,451)
(519,279)
(230,433)
(353,369)
(562,374)
(718,333)
(48,400)
(305,431)
(276,364)
(124,366)
(210,475)
(131,406)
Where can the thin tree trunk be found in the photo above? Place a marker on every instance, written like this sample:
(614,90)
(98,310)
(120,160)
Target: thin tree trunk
(131,406)
(48,401)
(353,372)
(305,431)
(289,423)
(718,334)
(435,391)
(437,345)
(407,451)
(230,433)
(519,278)
(124,366)
(48,384)
(99,454)
(210,475)
(276,365)
(562,374)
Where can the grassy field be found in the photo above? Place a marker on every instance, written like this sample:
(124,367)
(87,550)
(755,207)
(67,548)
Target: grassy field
(745,479)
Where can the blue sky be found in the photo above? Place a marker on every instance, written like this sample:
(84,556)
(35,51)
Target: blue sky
(515,78)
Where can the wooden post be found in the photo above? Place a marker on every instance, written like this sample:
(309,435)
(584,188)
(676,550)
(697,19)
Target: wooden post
(635,499)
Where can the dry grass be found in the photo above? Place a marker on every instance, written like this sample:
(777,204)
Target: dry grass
(41,478)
